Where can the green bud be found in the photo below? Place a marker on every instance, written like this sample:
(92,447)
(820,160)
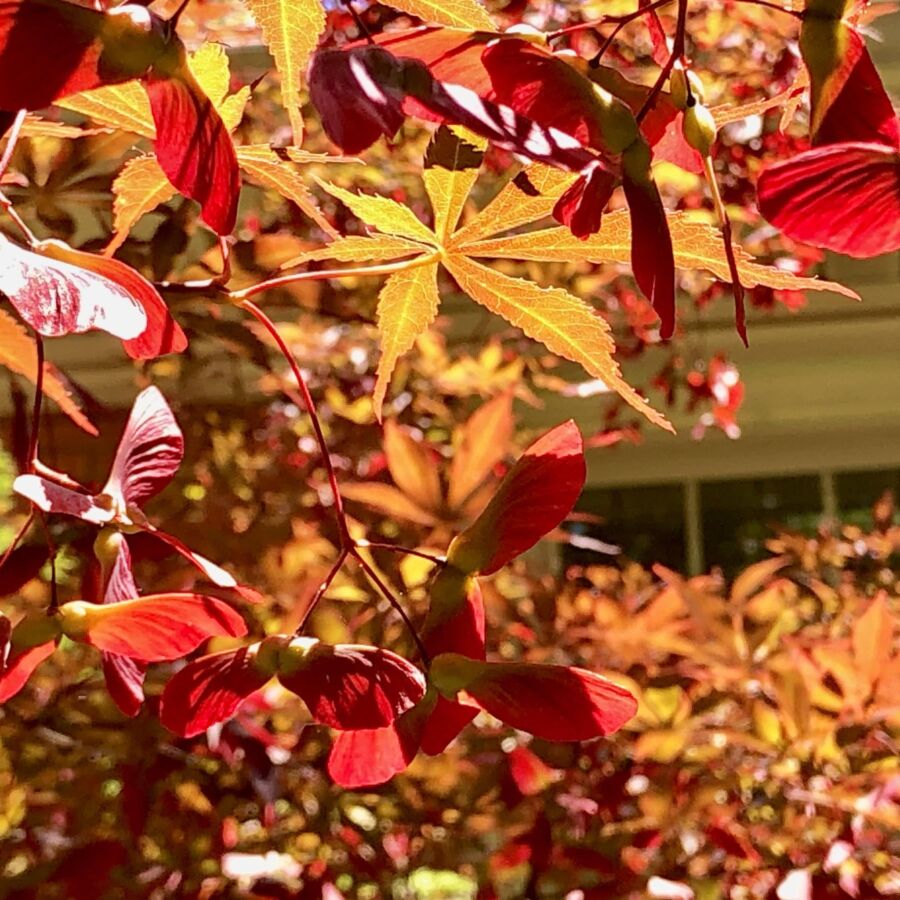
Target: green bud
(106,547)
(699,128)
(617,122)
(685,83)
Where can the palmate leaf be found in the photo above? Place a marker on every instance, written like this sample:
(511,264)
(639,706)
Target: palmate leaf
(697,246)
(291,30)
(141,186)
(407,305)
(566,324)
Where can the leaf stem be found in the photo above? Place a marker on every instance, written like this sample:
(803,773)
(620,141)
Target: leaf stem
(313,414)
(17,537)
(737,288)
(676,53)
(395,603)
(322,588)
(396,548)
(38,400)
(240,297)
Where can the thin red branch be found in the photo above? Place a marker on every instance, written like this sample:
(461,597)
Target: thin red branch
(38,400)
(313,414)
(406,551)
(395,603)
(676,54)
(17,537)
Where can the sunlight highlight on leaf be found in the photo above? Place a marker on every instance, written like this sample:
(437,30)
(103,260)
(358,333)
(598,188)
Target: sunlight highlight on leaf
(458,13)
(140,187)
(382,213)
(291,30)
(697,246)
(407,305)
(122,106)
(562,322)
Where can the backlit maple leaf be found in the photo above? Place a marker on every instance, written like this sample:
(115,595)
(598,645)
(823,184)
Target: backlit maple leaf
(567,325)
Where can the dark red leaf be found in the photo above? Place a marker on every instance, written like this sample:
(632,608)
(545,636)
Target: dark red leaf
(534,497)
(535,83)
(376,84)
(57,298)
(124,681)
(194,148)
(350,686)
(581,207)
(149,452)
(48,48)
(209,690)
(51,49)
(652,256)
(850,104)
(19,667)
(843,197)
(444,724)
(355,111)
(153,628)
(556,703)
(124,677)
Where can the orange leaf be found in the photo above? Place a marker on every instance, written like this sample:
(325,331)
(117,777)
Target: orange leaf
(412,467)
(18,354)
(483,442)
(873,638)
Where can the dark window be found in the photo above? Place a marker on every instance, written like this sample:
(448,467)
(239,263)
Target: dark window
(857,492)
(646,522)
(739,516)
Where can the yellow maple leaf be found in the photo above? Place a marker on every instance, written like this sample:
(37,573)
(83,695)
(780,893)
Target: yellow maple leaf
(264,166)
(18,354)
(410,254)
(291,30)
(140,187)
(697,245)
(407,304)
